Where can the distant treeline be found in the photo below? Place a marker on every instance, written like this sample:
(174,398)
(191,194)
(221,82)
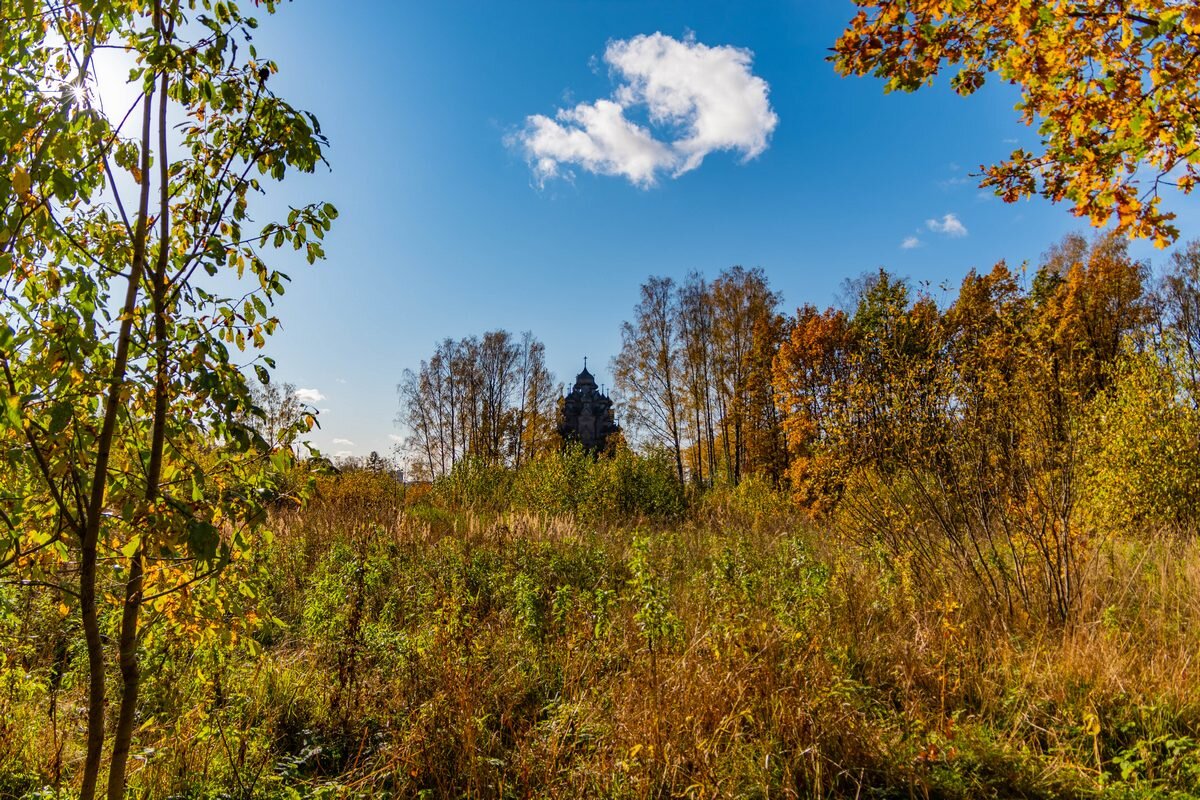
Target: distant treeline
(1007,430)
(1036,411)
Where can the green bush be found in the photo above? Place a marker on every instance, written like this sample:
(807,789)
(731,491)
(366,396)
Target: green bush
(1143,457)
(571,482)
(557,483)
(635,485)
(475,484)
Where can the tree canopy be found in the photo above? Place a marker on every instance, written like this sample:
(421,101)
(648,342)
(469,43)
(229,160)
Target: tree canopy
(128,472)
(1112,85)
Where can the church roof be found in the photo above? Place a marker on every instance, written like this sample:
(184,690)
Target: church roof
(585,378)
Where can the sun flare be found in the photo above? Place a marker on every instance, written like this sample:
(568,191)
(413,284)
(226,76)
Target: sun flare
(78,91)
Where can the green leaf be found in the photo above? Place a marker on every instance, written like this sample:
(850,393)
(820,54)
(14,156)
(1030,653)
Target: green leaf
(64,186)
(202,539)
(131,547)
(281,460)
(60,415)
(12,411)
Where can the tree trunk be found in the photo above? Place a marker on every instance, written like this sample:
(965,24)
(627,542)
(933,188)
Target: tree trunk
(91,536)
(128,640)
(130,677)
(95,654)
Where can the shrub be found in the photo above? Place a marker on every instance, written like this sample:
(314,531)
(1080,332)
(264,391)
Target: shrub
(1143,463)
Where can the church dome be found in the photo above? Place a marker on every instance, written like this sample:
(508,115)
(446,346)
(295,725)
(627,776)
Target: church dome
(585,378)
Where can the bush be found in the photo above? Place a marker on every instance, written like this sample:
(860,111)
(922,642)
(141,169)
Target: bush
(556,483)
(570,482)
(1143,462)
(475,484)
(634,485)
(620,484)
(360,489)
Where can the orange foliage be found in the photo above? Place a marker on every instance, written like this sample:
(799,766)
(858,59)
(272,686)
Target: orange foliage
(1112,86)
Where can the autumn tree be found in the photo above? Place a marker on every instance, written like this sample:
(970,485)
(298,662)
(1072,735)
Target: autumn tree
(961,435)
(1141,441)
(420,395)
(744,336)
(695,372)
(129,469)
(534,425)
(1179,311)
(439,405)
(1089,297)
(811,375)
(903,422)
(765,441)
(695,331)
(277,414)
(1113,87)
(647,370)
(497,356)
(488,398)
(1088,301)
(889,396)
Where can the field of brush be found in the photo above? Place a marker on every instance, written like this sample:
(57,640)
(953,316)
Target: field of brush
(414,646)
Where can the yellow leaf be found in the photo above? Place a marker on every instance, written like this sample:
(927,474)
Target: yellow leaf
(20,181)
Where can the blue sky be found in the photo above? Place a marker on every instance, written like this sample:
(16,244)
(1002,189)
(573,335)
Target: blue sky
(446,231)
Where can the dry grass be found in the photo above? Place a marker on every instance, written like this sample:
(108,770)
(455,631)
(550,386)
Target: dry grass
(422,649)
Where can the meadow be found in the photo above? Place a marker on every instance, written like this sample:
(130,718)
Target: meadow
(922,543)
(491,637)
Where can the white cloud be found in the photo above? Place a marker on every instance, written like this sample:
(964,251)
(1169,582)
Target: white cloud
(910,242)
(396,438)
(698,100)
(346,442)
(708,92)
(309,395)
(597,137)
(949,225)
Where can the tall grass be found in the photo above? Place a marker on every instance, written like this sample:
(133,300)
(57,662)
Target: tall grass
(431,646)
